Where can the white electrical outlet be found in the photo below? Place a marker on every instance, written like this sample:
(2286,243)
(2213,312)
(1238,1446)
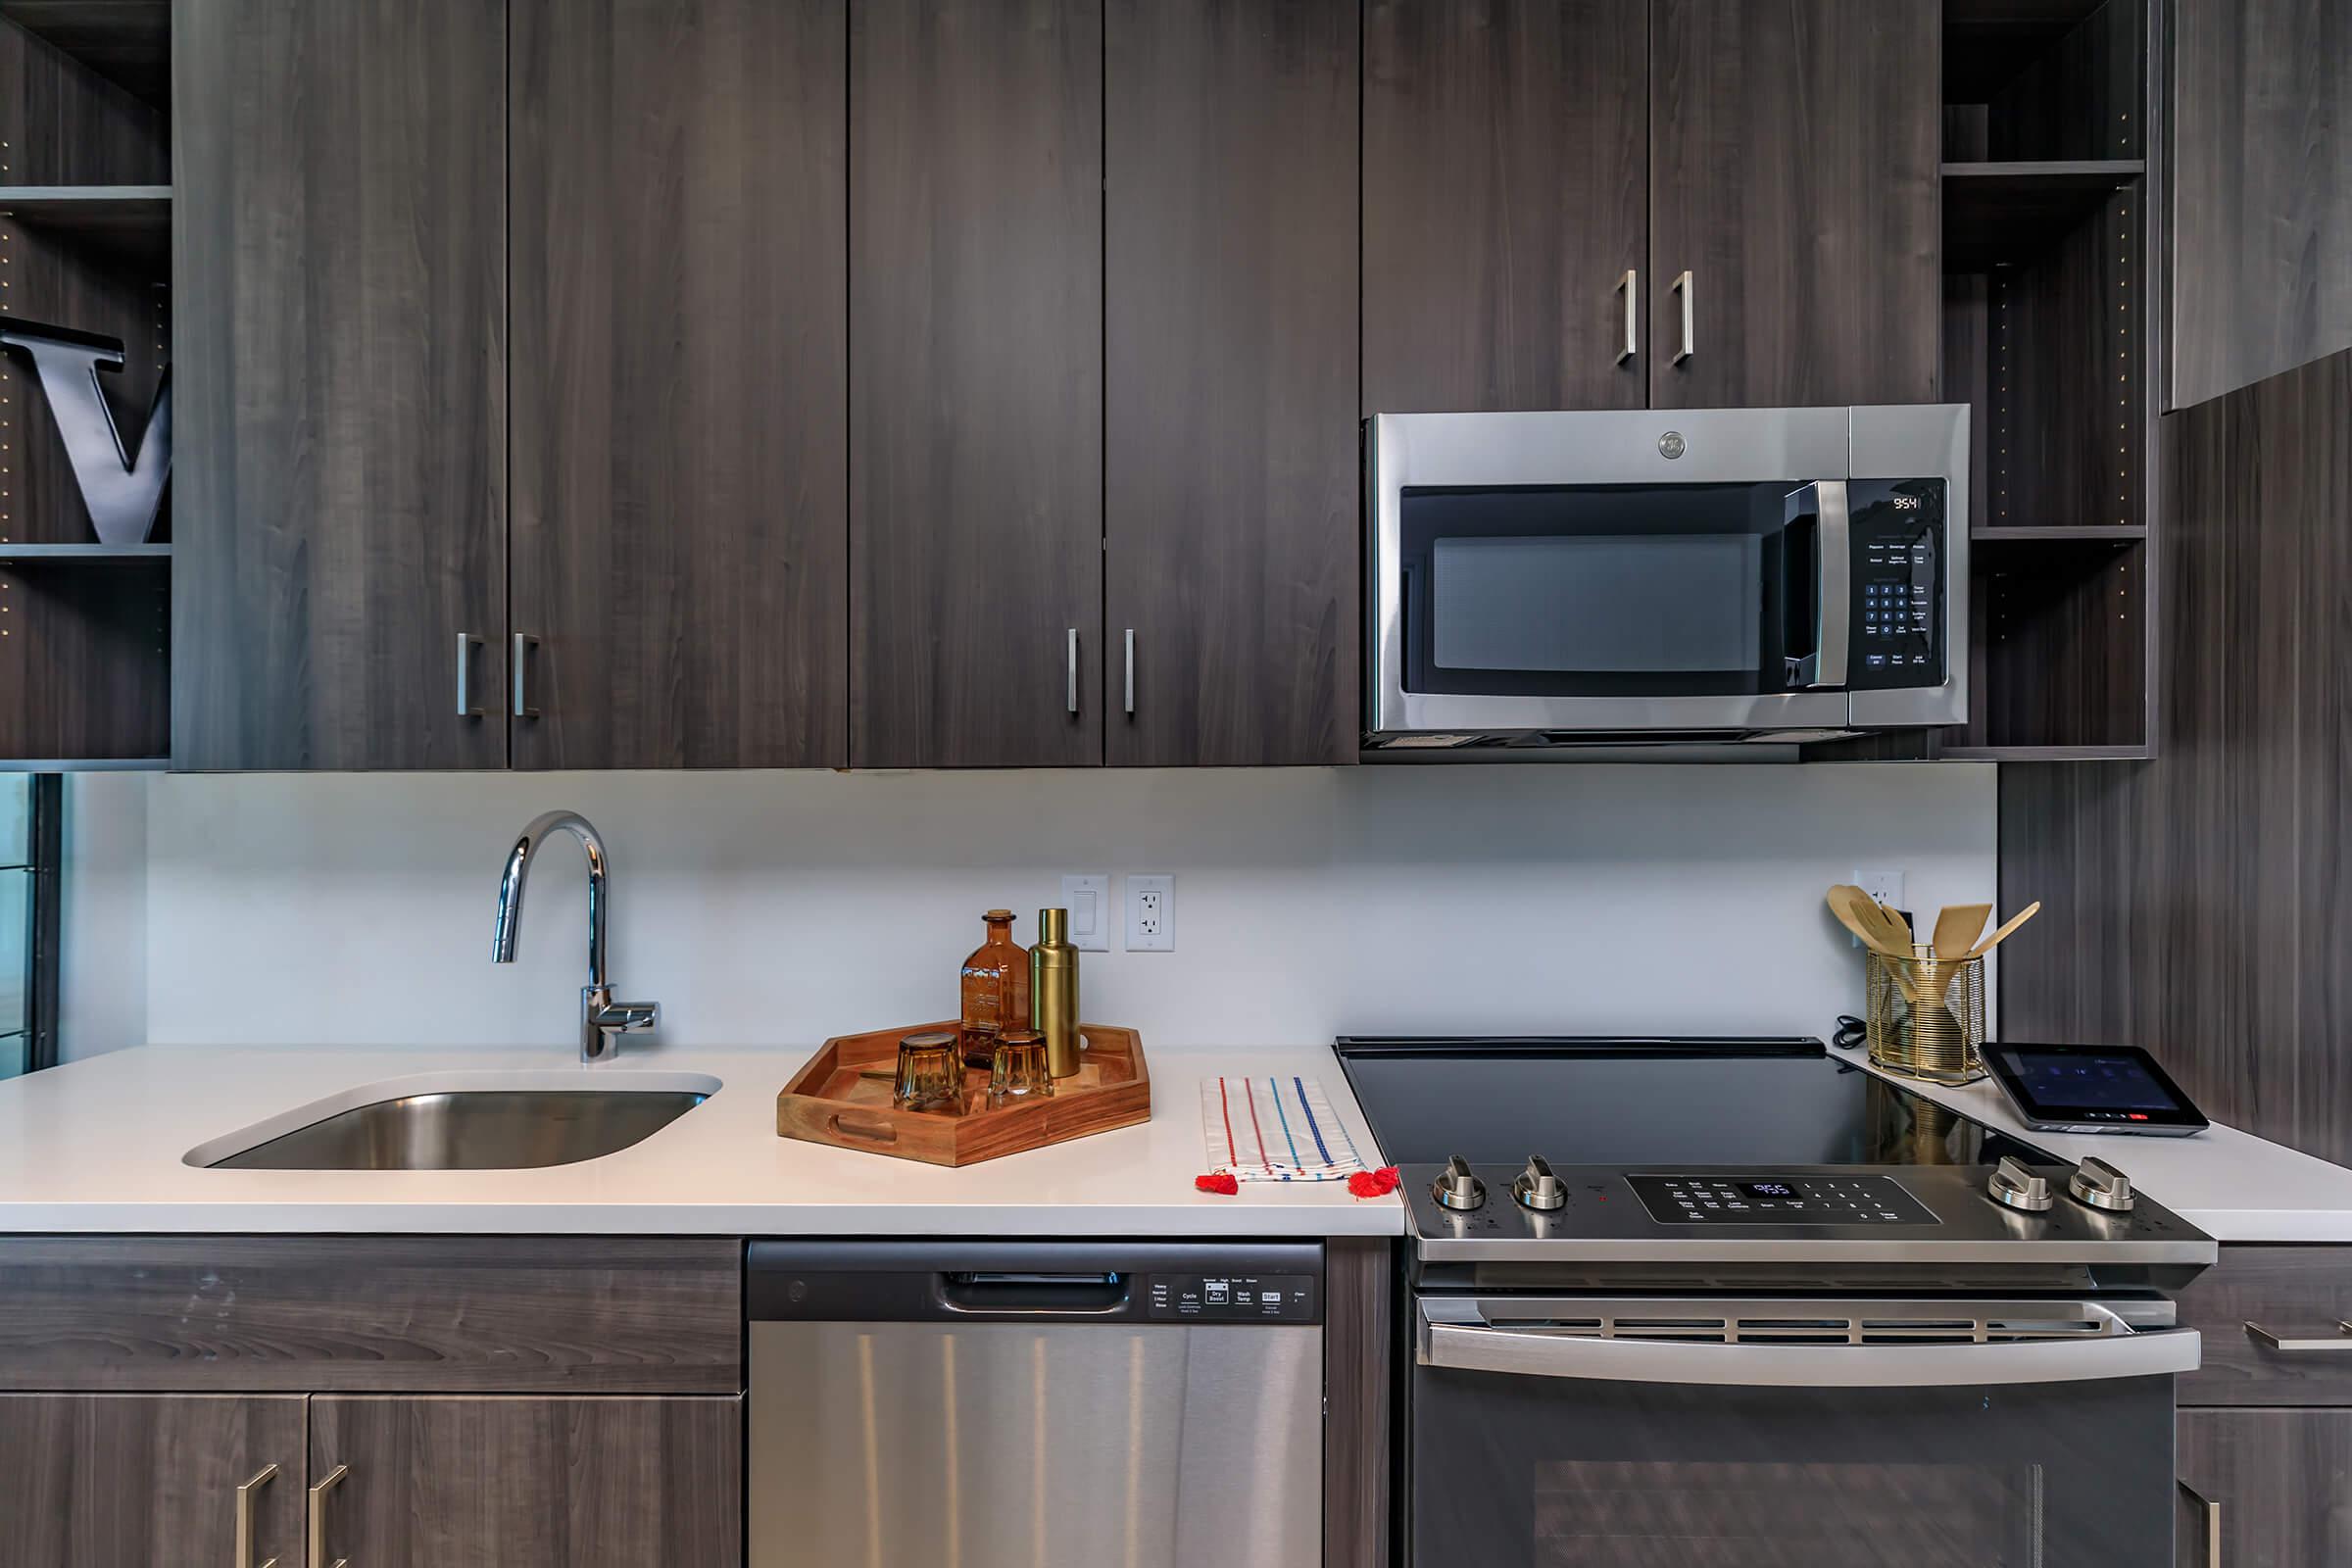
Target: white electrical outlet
(1883,884)
(1088,899)
(1151,913)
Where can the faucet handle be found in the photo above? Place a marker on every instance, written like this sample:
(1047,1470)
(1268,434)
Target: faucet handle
(619,1017)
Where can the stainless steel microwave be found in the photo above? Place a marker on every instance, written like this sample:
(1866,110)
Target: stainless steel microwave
(1664,576)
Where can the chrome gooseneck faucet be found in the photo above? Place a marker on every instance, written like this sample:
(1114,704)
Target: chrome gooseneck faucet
(603,1021)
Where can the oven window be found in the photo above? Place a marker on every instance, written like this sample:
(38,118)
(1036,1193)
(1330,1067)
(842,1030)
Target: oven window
(1604,590)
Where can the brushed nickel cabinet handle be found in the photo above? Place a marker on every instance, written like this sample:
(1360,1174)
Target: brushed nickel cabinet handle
(468,643)
(247,1497)
(1682,286)
(525,642)
(1630,286)
(1131,671)
(2210,1512)
(319,1556)
(2339,1344)
(1073,669)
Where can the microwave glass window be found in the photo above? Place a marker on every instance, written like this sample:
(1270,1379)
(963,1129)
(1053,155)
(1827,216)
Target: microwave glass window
(1597,601)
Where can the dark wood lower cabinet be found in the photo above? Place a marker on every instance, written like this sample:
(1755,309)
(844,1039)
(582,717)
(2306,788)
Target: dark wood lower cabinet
(2265,1488)
(113,1480)
(467,1482)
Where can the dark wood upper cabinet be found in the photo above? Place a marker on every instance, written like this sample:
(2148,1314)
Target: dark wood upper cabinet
(680,535)
(102,1480)
(1794,168)
(1231,348)
(975,384)
(2261,222)
(341,383)
(1506,166)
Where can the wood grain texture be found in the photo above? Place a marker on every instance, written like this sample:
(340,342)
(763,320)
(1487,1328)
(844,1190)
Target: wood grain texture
(126,41)
(341,473)
(108,1479)
(62,123)
(1507,167)
(2062,646)
(680,322)
(2260,231)
(832,1101)
(2080,95)
(975,382)
(85,660)
(1793,170)
(2293,1291)
(1232,522)
(506,1483)
(509,1314)
(2282,1480)
(2193,904)
(1360,1298)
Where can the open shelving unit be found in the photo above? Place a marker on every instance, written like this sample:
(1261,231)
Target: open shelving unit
(86,242)
(2047,268)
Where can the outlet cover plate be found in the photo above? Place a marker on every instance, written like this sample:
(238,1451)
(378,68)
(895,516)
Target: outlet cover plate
(1088,899)
(1151,913)
(1884,884)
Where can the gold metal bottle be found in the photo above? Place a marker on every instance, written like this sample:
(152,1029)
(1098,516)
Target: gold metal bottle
(1053,991)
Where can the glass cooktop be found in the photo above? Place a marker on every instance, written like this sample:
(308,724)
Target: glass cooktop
(1648,1102)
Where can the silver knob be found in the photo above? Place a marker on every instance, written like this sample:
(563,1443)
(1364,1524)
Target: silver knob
(1457,1189)
(2013,1186)
(1536,1188)
(2103,1187)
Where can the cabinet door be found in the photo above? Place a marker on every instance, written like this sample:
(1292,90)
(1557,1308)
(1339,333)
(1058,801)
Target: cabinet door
(530,1483)
(1794,174)
(2262,214)
(1231,342)
(340,322)
(975,384)
(107,1480)
(2271,1488)
(1506,166)
(680,303)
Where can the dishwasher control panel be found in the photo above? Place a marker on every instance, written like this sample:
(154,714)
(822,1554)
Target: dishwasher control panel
(1231,1297)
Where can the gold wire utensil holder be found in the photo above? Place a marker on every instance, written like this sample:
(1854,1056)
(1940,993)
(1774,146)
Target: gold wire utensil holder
(1926,1017)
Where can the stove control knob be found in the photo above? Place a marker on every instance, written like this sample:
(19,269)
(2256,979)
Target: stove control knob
(1457,1189)
(2103,1187)
(2013,1186)
(1536,1188)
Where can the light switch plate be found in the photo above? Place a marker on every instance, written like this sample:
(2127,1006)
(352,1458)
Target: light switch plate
(1151,913)
(1088,899)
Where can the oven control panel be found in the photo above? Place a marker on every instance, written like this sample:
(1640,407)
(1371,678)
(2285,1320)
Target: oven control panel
(1230,1298)
(1898,590)
(1857,1200)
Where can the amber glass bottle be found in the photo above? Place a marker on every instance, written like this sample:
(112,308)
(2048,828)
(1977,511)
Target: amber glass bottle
(996,991)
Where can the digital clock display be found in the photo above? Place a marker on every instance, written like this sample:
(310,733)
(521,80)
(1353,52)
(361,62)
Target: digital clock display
(1768,1189)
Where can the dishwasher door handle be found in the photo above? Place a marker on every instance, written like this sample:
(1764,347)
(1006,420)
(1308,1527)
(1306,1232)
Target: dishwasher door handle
(1027,1293)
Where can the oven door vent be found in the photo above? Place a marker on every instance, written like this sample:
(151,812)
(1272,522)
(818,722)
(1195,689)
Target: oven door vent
(1942,1322)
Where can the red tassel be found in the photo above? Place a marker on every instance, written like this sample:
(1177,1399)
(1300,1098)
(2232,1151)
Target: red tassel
(1220,1182)
(1373,1183)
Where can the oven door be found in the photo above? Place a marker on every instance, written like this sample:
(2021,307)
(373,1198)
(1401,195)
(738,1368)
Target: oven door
(1579,1434)
(1610,573)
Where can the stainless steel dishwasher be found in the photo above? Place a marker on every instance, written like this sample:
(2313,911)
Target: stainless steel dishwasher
(1045,1404)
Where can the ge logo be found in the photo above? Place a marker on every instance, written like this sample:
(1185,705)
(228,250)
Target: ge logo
(1671,444)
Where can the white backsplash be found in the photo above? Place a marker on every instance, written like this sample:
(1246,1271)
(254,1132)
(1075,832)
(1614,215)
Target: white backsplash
(761,907)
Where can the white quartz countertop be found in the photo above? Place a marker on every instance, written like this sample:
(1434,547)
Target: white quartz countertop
(2232,1185)
(98,1146)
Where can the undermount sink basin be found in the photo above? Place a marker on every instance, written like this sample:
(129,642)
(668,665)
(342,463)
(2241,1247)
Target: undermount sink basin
(485,1125)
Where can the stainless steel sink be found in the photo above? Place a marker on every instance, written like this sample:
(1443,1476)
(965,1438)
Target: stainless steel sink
(471,1129)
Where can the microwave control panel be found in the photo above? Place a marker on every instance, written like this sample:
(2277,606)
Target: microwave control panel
(1898,589)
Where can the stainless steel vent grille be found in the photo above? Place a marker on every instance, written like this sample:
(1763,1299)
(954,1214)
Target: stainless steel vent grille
(1946,1322)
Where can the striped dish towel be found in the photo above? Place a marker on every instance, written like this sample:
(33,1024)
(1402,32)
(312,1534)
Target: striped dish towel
(1275,1130)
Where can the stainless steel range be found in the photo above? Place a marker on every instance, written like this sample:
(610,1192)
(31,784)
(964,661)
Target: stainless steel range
(1727,1301)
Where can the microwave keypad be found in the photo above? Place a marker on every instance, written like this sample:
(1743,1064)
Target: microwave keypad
(1899,584)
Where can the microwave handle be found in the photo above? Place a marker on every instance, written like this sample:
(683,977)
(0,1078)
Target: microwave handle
(1523,1352)
(1833,585)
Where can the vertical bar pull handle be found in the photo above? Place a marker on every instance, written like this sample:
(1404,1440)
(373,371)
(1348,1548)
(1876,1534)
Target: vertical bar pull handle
(1682,286)
(1073,669)
(319,1556)
(2208,1513)
(468,643)
(1131,671)
(247,1497)
(1630,286)
(525,642)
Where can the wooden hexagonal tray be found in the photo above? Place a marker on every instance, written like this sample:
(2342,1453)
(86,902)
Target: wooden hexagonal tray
(842,1098)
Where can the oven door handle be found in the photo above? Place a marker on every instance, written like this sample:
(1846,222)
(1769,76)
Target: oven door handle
(1825,501)
(1526,1353)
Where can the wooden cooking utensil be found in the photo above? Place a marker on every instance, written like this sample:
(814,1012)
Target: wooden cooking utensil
(2015,920)
(1870,923)
(1959,925)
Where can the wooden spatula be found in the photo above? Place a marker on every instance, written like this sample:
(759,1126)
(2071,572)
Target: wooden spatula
(2015,920)
(1959,925)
